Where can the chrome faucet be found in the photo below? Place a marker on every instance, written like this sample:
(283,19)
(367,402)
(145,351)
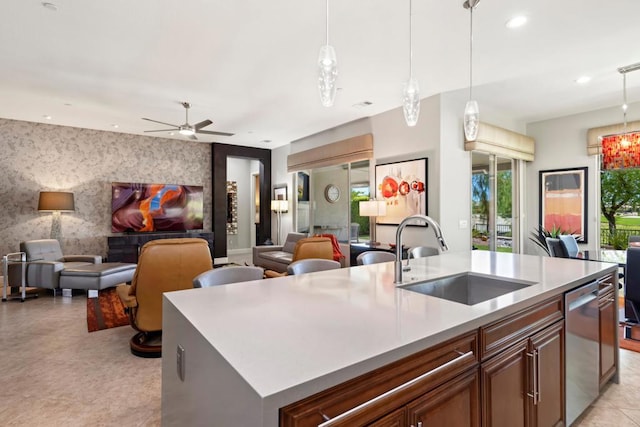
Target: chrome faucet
(434,226)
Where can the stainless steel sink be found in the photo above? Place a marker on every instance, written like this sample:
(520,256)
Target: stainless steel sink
(468,288)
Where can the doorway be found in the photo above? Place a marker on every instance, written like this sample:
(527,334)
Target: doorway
(493,196)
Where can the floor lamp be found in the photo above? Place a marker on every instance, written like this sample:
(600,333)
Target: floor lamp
(279,206)
(373,208)
(56,202)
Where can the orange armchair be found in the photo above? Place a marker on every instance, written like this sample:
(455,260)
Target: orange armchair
(310,247)
(163,266)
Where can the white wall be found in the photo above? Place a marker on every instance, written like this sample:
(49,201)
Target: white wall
(562,143)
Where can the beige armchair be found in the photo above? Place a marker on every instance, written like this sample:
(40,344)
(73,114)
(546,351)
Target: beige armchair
(45,262)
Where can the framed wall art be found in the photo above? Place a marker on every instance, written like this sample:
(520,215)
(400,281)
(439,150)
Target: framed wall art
(563,201)
(403,187)
(303,187)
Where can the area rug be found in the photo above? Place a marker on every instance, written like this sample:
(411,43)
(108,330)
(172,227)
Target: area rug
(628,344)
(106,311)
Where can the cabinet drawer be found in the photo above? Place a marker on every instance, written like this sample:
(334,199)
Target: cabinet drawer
(499,335)
(370,396)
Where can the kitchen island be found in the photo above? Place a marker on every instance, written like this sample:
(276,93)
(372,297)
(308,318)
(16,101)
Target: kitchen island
(247,350)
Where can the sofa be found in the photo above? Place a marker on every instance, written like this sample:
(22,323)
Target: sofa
(45,262)
(278,257)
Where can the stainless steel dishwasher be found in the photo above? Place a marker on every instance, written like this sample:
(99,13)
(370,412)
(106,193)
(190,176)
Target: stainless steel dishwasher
(582,349)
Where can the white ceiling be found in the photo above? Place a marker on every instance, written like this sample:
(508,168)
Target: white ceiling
(250,65)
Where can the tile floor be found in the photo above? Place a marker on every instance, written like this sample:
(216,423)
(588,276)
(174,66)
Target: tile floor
(55,373)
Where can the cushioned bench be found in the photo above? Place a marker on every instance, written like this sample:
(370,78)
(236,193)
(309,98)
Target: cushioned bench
(97,276)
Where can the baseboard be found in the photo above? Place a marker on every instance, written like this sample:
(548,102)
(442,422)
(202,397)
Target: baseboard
(239,251)
(221,260)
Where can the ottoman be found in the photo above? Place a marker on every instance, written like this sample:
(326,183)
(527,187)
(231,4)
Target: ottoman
(94,277)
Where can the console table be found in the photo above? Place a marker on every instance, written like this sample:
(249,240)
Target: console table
(125,247)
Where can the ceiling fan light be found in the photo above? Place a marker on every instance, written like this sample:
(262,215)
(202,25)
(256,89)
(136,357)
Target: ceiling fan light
(411,101)
(471,119)
(327,74)
(186,131)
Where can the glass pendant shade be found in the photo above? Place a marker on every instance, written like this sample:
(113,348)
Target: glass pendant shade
(411,101)
(327,74)
(471,119)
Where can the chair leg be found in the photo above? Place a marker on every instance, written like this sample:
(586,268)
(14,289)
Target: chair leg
(147,344)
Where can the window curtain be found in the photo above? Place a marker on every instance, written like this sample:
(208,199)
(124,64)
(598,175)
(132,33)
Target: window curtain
(337,153)
(502,142)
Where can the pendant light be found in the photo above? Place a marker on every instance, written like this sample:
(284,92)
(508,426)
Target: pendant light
(471,110)
(327,70)
(411,90)
(624,142)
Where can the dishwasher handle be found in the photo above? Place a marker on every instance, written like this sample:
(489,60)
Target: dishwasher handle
(583,295)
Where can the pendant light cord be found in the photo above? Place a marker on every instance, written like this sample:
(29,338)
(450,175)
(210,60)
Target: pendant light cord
(624,104)
(471,53)
(410,39)
(327,22)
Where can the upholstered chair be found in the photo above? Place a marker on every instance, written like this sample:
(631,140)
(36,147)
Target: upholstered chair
(163,266)
(556,248)
(226,275)
(311,265)
(46,261)
(571,244)
(374,257)
(423,251)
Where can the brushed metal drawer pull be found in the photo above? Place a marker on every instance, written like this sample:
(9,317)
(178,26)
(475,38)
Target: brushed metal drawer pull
(324,416)
(468,356)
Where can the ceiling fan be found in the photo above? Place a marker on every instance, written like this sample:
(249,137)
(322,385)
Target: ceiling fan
(186,129)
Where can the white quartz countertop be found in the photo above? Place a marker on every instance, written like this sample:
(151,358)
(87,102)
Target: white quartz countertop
(293,336)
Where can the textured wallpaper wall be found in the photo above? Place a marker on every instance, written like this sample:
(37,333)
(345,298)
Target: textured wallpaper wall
(35,156)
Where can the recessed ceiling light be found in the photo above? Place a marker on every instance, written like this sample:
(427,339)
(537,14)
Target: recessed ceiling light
(266,141)
(115,126)
(49,6)
(171,133)
(47,117)
(516,21)
(583,79)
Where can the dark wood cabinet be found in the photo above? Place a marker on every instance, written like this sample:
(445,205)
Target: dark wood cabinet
(608,331)
(523,381)
(505,382)
(383,397)
(548,375)
(455,404)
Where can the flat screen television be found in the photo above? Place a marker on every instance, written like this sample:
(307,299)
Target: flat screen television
(137,207)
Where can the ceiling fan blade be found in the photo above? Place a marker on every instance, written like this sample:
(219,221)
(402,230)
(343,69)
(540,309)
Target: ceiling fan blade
(162,130)
(162,123)
(202,124)
(193,137)
(212,132)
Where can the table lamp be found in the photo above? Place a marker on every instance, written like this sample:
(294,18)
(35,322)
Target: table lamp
(56,202)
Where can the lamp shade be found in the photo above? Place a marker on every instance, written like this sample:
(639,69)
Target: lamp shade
(373,208)
(279,205)
(50,201)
